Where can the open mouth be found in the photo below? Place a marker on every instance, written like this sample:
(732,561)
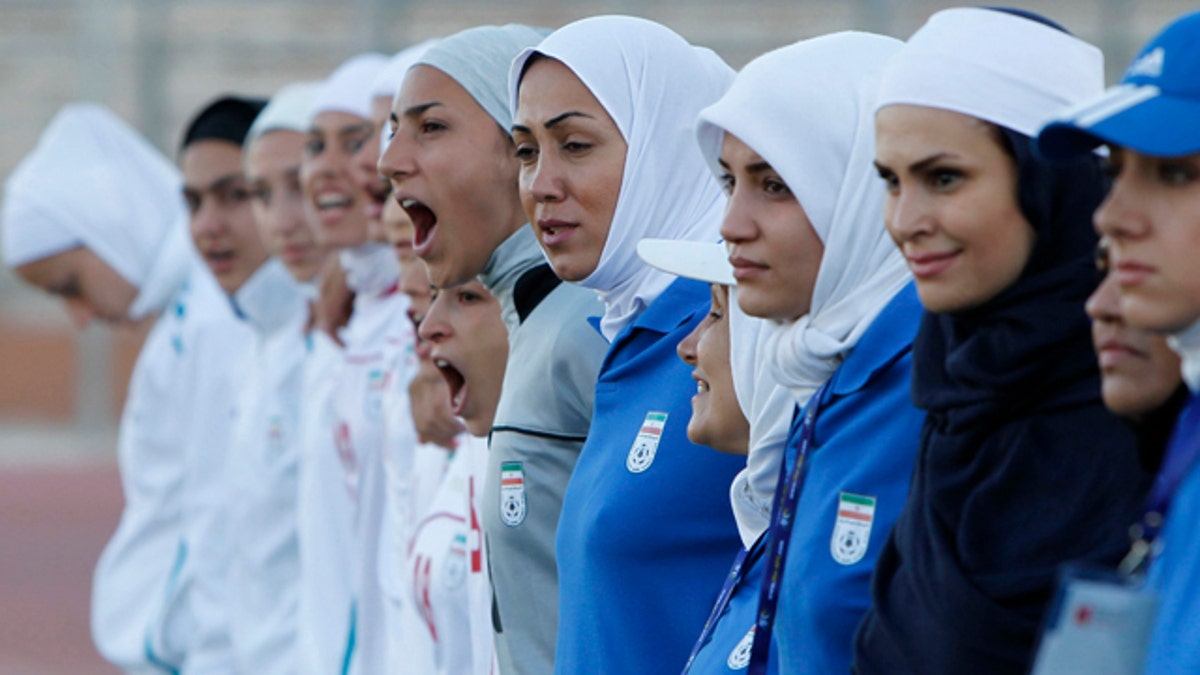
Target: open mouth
(331,201)
(219,260)
(403,248)
(423,219)
(332,206)
(554,232)
(423,349)
(377,194)
(456,382)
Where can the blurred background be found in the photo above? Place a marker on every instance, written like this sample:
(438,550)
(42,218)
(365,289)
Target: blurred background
(155,62)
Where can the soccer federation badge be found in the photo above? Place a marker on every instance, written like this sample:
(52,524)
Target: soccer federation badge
(512,494)
(645,445)
(852,532)
(739,658)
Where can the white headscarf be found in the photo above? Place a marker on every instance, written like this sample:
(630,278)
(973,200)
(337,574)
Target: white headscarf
(808,110)
(290,109)
(93,181)
(349,88)
(387,82)
(768,407)
(652,83)
(478,59)
(1186,343)
(371,268)
(1017,78)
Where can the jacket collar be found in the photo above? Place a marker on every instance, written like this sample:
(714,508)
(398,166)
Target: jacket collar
(269,298)
(889,337)
(518,254)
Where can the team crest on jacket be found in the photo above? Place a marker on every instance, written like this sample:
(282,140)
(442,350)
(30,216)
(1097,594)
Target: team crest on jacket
(512,494)
(645,445)
(454,569)
(852,532)
(377,382)
(739,658)
(275,435)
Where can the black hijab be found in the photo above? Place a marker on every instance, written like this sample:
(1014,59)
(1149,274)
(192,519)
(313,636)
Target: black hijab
(1034,336)
(1021,468)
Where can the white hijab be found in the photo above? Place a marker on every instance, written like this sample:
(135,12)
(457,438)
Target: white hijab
(350,88)
(93,181)
(371,269)
(1187,344)
(387,81)
(1017,78)
(652,83)
(768,407)
(808,110)
(290,109)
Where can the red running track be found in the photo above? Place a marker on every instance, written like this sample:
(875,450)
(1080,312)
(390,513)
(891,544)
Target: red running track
(53,524)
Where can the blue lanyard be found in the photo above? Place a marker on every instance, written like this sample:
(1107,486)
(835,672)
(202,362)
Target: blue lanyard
(744,561)
(1182,452)
(787,495)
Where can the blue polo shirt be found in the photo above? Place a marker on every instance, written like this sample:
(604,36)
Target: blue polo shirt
(855,484)
(860,464)
(1175,575)
(727,650)
(647,532)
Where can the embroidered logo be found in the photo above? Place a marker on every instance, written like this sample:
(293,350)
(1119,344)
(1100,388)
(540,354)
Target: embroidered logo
(1150,65)
(645,446)
(512,494)
(852,532)
(275,435)
(454,570)
(377,381)
(739,658)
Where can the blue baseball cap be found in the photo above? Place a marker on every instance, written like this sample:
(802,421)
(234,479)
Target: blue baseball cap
(1154,110)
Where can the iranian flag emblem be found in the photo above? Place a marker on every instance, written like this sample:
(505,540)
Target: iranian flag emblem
(512,493)
(852,531)
(645,444)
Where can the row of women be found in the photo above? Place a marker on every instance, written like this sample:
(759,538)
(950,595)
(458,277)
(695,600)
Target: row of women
(786,370)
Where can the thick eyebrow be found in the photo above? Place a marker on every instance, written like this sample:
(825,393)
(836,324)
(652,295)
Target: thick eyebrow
(364,128)
(552,122)
(66,288)
(922,165)
(559,119)
(756,167)
(417,110)
(218,184)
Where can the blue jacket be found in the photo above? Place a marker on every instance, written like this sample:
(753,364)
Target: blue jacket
(646,533)
(1175,575)
(865,440)
(727,650)
(859,466)
(1176,578)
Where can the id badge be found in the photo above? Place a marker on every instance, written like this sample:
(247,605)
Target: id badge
(1099,623)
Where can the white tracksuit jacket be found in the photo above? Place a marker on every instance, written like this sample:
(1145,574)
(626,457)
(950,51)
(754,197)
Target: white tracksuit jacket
(264,568)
